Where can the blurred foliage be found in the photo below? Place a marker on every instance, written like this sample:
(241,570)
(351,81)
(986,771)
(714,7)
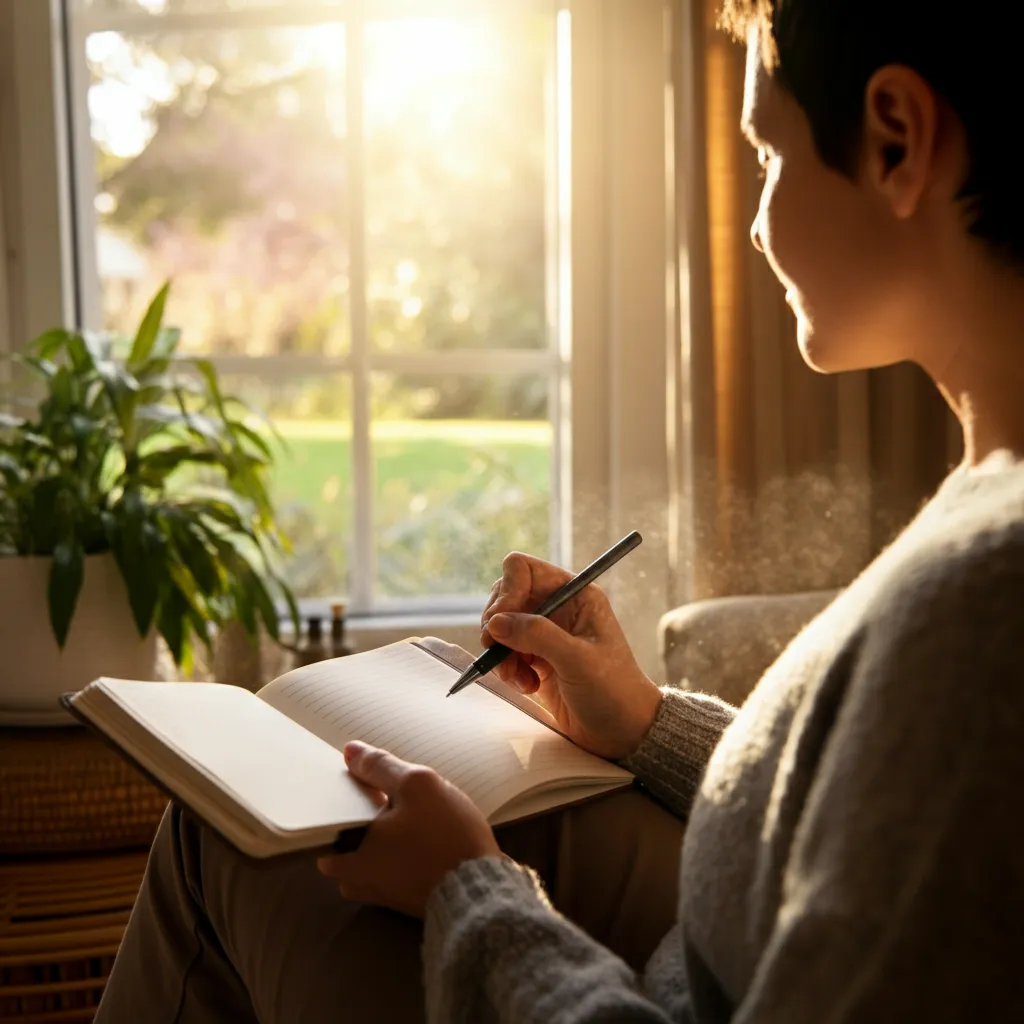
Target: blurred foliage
(453,546)
(457,542)
(446,509)
(240,193)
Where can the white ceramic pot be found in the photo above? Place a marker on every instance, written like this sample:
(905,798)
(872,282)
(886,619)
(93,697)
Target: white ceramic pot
(103,640)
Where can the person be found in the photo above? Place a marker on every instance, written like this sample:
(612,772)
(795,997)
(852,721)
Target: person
(852,841)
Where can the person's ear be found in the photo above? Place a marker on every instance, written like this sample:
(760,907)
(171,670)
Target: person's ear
(901,123)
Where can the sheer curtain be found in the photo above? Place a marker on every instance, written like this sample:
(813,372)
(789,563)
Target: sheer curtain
(790,480)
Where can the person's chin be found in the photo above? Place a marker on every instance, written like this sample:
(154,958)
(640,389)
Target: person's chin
(812,346)
(829,355)
(829,351)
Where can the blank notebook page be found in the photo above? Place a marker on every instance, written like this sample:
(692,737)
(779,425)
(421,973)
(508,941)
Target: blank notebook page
(275,770)
(394,698)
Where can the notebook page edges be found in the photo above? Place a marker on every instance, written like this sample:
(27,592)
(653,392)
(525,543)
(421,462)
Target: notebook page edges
(395,698)
(285,778)
(538,802)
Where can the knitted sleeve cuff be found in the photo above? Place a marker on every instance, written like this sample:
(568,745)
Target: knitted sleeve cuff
(671,760)
(475,883)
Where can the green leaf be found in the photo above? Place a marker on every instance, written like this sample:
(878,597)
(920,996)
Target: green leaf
(157,388)
(171,621)
(196,557)
(265,421)
(198,621)
(202,427)
(61,387)
(245,609)
(100,345)
(254,438)
(205,367)
(51,342)
(122,390)
(247,481)
(44,516)
(154,467)
(164,415)
(226,507)
(11,470)
(149,329)
(81,355)
(66,573)
(166,343)
(84,427)
(265,605)
(33,442)
(139,549)
(95,398)
(44,367)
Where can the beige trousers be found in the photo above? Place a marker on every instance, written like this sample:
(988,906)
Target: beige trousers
(215,937)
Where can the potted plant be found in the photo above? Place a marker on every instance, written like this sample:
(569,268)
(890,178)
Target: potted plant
(133,502)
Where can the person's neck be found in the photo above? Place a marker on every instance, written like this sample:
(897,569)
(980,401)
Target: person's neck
(982,369)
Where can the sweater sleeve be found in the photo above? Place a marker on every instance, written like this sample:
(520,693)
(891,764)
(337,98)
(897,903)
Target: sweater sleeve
(670,761)
(496,951)
(903,893)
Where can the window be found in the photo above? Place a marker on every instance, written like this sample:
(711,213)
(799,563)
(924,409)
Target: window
(358,209)
(530,211)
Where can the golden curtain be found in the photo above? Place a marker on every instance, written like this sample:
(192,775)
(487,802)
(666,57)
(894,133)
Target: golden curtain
(797,479)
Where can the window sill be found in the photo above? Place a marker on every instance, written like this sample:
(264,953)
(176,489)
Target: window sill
(368,632)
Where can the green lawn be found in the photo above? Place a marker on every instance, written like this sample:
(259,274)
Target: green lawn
(449,499)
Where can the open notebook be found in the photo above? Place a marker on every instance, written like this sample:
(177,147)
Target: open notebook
(266,770)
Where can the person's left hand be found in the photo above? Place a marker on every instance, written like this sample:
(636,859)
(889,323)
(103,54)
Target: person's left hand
(428,828)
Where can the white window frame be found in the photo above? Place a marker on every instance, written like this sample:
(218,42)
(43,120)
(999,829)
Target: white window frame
(616,266)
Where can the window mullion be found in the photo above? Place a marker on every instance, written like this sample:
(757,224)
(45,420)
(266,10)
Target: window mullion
(362,553)
(560,285)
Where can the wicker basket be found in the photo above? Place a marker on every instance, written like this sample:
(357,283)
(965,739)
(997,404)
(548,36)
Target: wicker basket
(64,791)
(61,922)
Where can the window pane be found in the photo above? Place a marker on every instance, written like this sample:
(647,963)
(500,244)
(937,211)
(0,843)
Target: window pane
(455,115)
(312,476)
(219,163)
(462,476)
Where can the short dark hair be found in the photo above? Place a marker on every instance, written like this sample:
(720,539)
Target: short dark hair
(824,52)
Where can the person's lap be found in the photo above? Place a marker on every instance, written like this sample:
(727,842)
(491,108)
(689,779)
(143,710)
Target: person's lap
(217,937)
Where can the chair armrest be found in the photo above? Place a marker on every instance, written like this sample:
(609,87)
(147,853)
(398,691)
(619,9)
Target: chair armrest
(724,645)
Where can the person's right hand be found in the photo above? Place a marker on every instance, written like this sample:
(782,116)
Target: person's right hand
(577,663)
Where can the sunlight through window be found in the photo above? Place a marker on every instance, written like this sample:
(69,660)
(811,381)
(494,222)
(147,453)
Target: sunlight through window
(413,366)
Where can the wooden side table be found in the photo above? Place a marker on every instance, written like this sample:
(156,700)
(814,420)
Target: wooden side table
(76,822)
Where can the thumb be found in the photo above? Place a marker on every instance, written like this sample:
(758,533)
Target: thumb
(375,767)
(533,634)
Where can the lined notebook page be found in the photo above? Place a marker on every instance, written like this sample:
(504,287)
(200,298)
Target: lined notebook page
(395,698)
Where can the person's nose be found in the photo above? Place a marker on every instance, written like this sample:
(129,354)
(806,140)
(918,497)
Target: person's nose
(755,234)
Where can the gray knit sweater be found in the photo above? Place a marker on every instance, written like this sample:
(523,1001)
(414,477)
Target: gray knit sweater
(855,851)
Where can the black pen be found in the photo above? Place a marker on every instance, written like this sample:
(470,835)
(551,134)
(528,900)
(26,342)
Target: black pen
(496,654)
